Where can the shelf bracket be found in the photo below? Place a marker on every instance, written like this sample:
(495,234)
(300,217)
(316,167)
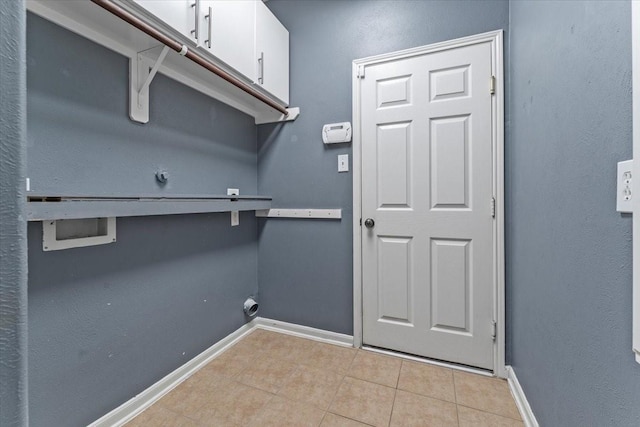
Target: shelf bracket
(142,70)
(294,112)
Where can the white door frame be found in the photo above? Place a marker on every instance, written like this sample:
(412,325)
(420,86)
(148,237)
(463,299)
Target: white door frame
(635,34)
(359,68)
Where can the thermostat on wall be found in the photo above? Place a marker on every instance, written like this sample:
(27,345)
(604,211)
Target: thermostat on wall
(336,133)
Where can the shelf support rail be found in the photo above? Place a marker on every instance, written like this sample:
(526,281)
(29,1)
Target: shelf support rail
(300,213)
(189,53)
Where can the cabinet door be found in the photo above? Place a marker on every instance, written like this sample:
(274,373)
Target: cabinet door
(228,32)
(272,52)
(178,14)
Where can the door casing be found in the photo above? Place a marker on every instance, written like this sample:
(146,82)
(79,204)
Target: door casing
(495,39)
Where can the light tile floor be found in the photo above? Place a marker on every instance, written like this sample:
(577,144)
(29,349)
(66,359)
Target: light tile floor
(272,379)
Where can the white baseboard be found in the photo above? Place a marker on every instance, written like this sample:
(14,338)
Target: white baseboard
(128,410)
(521,400)
(304,332)
(134,406)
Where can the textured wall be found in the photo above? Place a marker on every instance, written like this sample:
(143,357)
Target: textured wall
(569,251)
(106,322)
(13,227)
(305,267)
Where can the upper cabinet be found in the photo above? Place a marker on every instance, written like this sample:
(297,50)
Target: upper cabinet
(272,53)
(235,51)
(243,34)
(229,33)
(177,14)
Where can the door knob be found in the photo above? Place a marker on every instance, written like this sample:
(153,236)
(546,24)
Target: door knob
(369,223)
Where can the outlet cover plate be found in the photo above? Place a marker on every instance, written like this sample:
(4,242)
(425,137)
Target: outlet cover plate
(624,187)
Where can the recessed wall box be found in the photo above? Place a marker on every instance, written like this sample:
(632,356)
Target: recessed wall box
(336,133)
(77,233)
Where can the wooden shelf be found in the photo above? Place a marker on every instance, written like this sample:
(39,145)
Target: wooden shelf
(41,208)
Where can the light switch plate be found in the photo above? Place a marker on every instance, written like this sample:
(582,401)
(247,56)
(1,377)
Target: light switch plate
(624,191)
(235,215)
(343,163)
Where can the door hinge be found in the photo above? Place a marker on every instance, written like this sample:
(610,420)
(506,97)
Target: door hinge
(494,328)
(493,207)
(492,85)
(360,74)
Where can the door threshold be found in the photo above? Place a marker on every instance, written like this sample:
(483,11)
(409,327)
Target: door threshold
(451,365)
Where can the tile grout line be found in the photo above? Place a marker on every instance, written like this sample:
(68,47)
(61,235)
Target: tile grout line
(455,395)
(399,373)
(323,417)
(259,412)
(455,389)
(393,406)
(335,394)
(490,413)
(395,393)
(409,391)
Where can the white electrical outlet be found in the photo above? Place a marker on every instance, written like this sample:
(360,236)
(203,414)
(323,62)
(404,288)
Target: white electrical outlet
(235,215)
(624,191)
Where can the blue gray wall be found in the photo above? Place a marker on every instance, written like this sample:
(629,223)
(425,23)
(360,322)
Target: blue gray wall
(305,267)
(106,322)
(569,252)
(13,227)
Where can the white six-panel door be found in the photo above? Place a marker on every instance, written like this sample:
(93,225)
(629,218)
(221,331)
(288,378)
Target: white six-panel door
(428,259)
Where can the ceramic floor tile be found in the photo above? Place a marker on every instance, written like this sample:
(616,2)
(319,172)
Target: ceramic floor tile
(376,368)
(231,362)
(239,387)
(157,416)
(333,420)
(183,400)
(262,336)
(364,401)
(289,348)
(215,418)
(332,357)
(485,393)
(248,347)
(469,417)
(267,374)
(282,412)
(235,402)
(428,380)
(411,409)
(314,386)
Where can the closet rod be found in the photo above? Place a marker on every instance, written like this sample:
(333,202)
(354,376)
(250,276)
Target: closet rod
(183,50)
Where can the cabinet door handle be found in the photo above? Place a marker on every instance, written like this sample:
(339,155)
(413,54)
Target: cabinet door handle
(261,69)
(210,18)
(196,7)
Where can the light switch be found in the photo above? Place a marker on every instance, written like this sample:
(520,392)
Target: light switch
(343,163)
(624,191)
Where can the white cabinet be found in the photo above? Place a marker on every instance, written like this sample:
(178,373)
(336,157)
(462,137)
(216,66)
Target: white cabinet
(228,32)
(242,34)
(272,53)
(177,14)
